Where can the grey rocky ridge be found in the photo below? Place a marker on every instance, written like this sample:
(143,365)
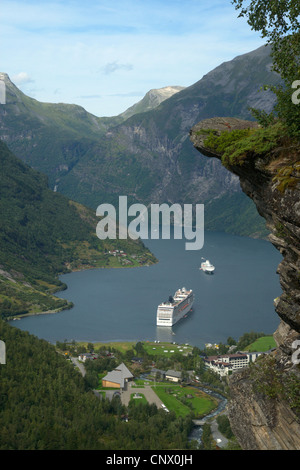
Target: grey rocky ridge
(151,100)
(264,407)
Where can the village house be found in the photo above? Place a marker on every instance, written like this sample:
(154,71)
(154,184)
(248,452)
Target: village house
(118,377)
(85,356)
(173,375)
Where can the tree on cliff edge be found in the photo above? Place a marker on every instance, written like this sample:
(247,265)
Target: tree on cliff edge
(279,22)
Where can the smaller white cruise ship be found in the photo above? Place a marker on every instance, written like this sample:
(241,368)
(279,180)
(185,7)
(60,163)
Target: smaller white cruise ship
(207,267)
(168,313)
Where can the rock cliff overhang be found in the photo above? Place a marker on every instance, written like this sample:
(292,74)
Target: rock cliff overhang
(272,180)
(262,410)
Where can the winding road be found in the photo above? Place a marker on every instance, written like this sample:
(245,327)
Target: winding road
(79,365)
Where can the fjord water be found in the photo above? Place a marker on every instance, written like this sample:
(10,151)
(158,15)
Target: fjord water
(120,304)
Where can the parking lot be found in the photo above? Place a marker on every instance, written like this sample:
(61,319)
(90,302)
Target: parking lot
(147,391)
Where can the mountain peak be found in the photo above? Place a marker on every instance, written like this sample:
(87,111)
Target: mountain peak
(151,100)
(5,77)
(158,95)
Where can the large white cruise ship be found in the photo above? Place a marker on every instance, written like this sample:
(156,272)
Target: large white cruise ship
(168,313)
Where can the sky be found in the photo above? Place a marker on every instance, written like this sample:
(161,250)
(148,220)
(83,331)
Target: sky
(106,55)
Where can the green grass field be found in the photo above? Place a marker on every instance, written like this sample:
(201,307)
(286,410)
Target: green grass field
(176,399)
(141,399)
(166,349)
(152,348)
(171,402)
(121,346)
(262,344)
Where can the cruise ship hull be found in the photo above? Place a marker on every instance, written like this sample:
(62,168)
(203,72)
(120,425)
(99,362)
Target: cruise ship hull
(170,313)
(208,271)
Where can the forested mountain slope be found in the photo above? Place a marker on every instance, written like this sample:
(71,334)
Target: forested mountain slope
(46,405)
(42,234)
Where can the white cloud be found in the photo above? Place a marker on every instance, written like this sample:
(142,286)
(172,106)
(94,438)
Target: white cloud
(22,78)
(112,67)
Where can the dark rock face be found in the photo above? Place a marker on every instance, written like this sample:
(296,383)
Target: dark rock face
(259,422)
(269,420)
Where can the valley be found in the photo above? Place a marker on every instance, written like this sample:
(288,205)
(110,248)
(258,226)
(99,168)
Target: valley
(59,162)
(145,153)
(44,234)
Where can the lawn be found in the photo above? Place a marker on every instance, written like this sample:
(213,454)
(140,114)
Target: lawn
(171,402)
(262,344)
(121,346)
(141,399)
(152,348)
(183,400)
(139,383)
(166,349)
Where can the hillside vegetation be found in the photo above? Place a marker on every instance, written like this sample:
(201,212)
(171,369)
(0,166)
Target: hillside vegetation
(47,405)
(44,234)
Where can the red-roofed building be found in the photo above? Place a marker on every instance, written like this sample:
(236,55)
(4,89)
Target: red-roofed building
(223,364)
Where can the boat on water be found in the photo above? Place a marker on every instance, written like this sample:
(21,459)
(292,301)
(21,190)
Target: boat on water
(207,267)
(169,313)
